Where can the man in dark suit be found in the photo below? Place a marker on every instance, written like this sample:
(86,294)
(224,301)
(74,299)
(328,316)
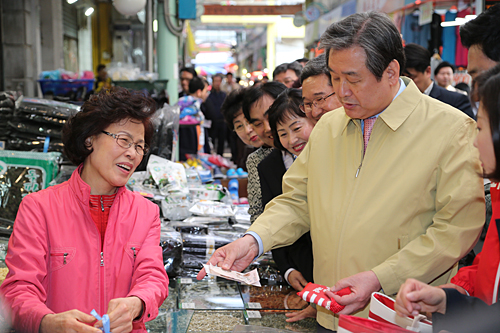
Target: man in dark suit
(418,68)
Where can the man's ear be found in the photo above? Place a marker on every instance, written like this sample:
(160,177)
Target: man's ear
(428,71)
(393,71)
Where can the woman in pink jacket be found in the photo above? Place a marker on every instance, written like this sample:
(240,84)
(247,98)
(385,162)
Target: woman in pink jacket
(90,243)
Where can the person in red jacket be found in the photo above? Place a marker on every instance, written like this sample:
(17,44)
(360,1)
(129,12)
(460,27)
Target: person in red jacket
(453,310)
(89,243)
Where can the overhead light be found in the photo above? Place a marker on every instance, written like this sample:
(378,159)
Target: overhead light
(89,11)
(458,21)
(155,25)
(71,1)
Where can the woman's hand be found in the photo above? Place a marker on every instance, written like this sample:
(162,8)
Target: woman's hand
(69,321)
(296,280)
(415,297)
(308,312)
(121,313)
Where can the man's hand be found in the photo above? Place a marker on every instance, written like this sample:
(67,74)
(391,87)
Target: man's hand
(362,286)
(415,297)
(122,312)
(296,280)
(308,312)
(69,321)
(234,256)
(454,286)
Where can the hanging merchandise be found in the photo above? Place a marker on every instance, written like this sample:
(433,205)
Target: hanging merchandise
(461,51)
(415,33)
(449,38)
(22,173)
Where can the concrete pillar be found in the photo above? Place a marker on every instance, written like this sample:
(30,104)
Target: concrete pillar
(21,53)
(51,29)
(168,53)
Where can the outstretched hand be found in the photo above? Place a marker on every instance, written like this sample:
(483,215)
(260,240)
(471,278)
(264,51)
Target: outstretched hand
(415,297)
(69,321)
(308,312)
(362,286)
(122,312)
(235,256)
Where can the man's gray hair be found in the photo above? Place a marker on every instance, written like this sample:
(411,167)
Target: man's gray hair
(316,66)
(372,31)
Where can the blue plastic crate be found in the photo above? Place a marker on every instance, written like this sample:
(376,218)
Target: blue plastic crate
(62,87)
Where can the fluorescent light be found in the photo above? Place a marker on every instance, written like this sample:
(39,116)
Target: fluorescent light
(71,1)
(458,21)
(89,11)
(155,25)
(450,24)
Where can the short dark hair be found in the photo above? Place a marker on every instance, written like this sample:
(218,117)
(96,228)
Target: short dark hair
(417,57)
(484,31)
(219,75)
(287,103)
(316,66)
(463,87)
(444,64)
(296,67)
(232,106)
(253,94)
(372,31)
(100,111)
(280,69)
(489,97)
(302,60)
(100,67)
(196,84)
(189,70)
(229,73)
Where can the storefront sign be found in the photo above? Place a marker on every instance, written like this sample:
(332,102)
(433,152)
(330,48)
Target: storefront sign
(252,10)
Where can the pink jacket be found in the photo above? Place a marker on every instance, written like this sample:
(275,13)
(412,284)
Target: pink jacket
(56,264)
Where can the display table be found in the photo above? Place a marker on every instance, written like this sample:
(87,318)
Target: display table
(215,307)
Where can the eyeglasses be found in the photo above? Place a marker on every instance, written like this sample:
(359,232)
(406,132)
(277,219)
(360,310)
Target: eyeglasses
(126,142)
(241,126)
(318,102)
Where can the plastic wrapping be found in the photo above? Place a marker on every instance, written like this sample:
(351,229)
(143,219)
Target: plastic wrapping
(34,128)
(171,244)
(166,124)
(189,228)
(212,208)
(205,241)
(168,175)
(45,107)
(22,173)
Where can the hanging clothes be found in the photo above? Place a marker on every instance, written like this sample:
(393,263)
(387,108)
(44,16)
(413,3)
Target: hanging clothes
(415,33)
(436,40)
(449,39)
(461,52)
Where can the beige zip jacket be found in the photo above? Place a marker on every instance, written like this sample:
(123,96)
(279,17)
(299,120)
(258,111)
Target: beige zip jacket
(412,206)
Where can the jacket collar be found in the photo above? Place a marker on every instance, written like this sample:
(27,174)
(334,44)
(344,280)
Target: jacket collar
(82,189)
(400,108)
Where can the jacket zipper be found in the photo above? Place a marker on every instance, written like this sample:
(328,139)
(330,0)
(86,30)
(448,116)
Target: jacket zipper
(102,205)
(59,254)
(133,249)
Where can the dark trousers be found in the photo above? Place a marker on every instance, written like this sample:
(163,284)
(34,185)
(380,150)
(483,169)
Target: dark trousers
(218,132)
(321,329)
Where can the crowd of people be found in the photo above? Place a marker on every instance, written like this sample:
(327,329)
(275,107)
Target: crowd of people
(363,173)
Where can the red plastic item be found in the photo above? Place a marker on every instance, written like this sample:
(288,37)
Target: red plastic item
(351,324)
(315,293)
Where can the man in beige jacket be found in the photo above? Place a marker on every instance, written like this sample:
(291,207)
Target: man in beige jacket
(407,203)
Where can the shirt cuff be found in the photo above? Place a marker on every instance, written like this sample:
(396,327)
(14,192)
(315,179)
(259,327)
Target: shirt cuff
(259,241)
(288,273)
